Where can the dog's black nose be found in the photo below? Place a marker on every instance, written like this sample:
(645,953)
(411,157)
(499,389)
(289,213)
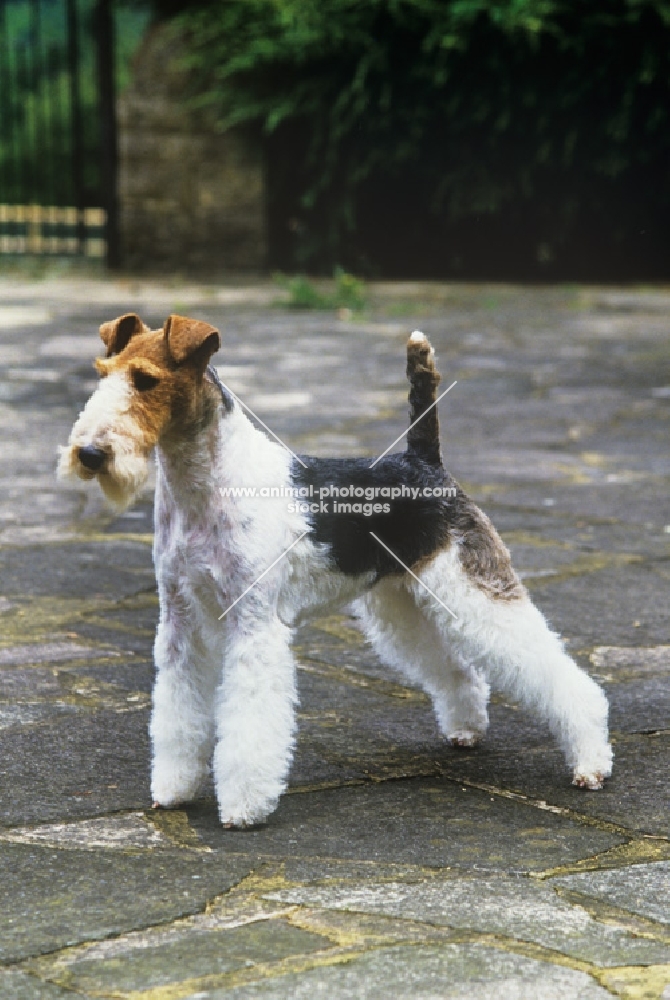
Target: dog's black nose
(91,457)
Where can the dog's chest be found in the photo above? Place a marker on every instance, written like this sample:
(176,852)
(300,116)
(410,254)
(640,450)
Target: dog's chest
(194,547)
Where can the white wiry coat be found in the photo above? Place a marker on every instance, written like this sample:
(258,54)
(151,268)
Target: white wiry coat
(225,691)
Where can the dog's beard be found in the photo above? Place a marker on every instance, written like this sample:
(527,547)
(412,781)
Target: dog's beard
(123,479)
(106,422)
(125,474)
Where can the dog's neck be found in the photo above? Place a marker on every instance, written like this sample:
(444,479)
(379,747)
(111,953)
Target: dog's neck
(226,395)
(191,448)
(214,449)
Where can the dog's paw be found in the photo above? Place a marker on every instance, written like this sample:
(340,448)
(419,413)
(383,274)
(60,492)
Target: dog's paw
(165,803)
(171,788)
(593,767)
(245,821)
(243,826)
(464,739)
(593,781)
(241,815)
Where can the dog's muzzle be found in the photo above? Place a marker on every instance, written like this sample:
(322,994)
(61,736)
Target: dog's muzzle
(91,458)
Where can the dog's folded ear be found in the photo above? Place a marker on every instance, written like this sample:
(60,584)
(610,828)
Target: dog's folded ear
(190,339)
(116,334)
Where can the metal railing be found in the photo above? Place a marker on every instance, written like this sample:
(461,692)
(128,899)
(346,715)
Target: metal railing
(52,229)
(57,128)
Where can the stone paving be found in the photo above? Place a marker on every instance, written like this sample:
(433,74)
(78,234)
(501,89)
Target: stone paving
(395,866)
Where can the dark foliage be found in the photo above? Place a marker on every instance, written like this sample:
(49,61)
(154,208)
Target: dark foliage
(509,138)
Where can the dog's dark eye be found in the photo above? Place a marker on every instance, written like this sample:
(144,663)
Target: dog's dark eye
(143,380)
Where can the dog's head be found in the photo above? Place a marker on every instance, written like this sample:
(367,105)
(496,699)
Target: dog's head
(151,386)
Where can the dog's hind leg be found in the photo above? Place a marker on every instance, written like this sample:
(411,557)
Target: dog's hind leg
(510,641)
(408,640)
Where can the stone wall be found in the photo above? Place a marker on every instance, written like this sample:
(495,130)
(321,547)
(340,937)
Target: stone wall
(191,198)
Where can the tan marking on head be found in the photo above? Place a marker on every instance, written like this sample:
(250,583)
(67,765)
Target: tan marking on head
(191,339)
(145,367)
(116,334)
(165,370)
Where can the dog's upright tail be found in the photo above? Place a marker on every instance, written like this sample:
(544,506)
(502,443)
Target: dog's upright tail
(423,437)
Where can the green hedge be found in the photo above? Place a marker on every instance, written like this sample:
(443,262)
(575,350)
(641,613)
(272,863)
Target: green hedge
(35,110)
(451,137)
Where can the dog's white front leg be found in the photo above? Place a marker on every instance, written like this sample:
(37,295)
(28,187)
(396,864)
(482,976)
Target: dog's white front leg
(182,719)
(255,715)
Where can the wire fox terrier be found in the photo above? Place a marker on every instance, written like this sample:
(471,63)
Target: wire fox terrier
(239,568)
